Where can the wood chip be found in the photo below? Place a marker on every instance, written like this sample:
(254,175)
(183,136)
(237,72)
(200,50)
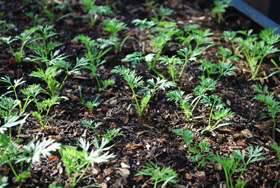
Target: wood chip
(247,133)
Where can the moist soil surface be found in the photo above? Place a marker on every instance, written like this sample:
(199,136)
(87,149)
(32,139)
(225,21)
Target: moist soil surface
(148,138)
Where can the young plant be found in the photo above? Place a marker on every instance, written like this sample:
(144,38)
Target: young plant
(5,27)
(34,18)
(165,175)
(107,83)
(255,51)
(51,13)
(232,165)
(276,148)
(220,9)
(41,41)
(201,153)
(45,107)
(49,75)
(78,161)
(24,37)
(3,181)
(12,152)
(135,82)
(187,135)
(215,102)
(137,57)
(14,86)
(95,51)
(188,55)
(172,64)
(163,13)
(89,104)
(113,26)
(95,11)
(273,106)
(109,135)
(207,84)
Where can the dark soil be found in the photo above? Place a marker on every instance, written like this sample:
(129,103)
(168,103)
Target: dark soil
(150,138)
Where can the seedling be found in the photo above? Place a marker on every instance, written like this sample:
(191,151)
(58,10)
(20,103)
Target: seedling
(220,9)
(3,181)
(137,57)
(34,18)
(45,107)
(163,13)
(42,43)
(113,26)
(5,27)
(188,55)
(24,37)
(89,104)
(273,106)
(95,51)
(51,13)
(77,162)
(49,75)
(201,154)
(276,148)
(165,175)
(107,83)
(255,51)
(109,135)
(14,86)
(187,135)
(136,81)
(172,63)
(230,165)
(215,102)
(12,152)
(95,11)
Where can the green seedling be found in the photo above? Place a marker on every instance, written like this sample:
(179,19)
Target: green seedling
(51,13)
(255,51)
(109,135)
(273,106)
(201,154)
(107,83)
(173,63)
(225,69)
(44,107)
(163,33)
(34,18)
(276,148)
(5,27)
(151,4)
(137,57)
(220,9)
(12,153)
(196,40)
(77,161)
(95,11)
(163,13)
(24,37)
(113,26)
(49,75)
(165,175)
(95,51)
(136,81)
(207,84)
(89,104)
(215,102)
(231,36)
(187,135)
(3,181)
(41,41)
(14,86)
(232,165)
(188,55)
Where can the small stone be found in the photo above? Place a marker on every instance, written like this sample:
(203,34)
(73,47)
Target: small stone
(188,176)
(218,167)
(242,143)
(200,175)
(247,133)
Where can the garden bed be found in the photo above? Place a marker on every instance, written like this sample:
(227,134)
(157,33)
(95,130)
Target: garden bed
(150,138)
